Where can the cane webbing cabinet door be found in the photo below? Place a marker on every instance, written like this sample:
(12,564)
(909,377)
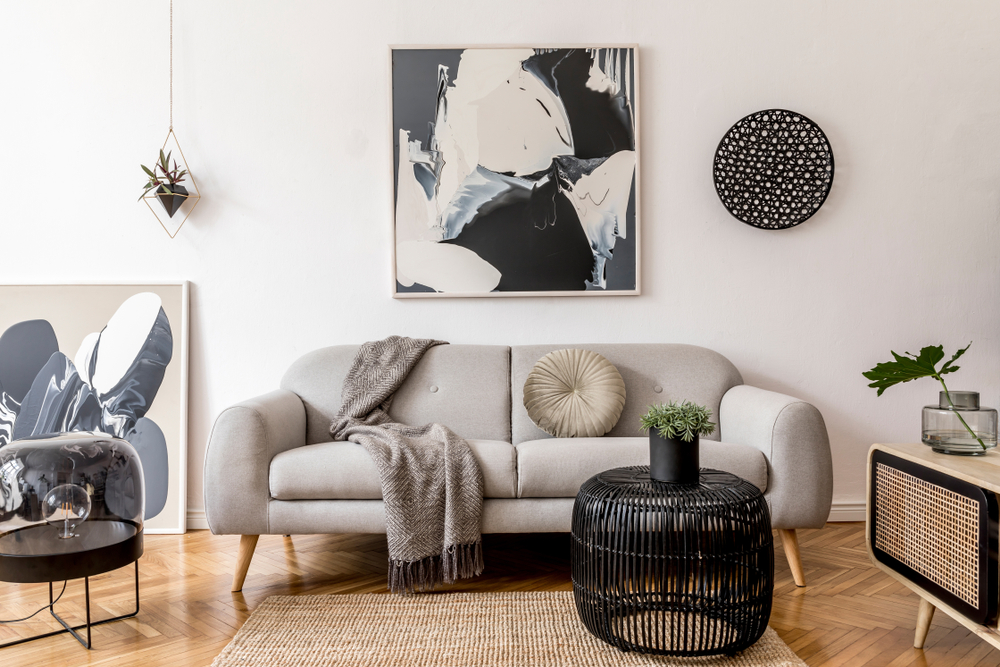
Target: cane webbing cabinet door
(932,524)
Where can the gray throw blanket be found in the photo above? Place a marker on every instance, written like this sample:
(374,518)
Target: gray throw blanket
(431,483)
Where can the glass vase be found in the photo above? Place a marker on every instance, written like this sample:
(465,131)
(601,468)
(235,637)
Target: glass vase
(944,425)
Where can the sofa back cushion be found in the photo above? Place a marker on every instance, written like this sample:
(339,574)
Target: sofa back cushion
(653,373)
(464,387)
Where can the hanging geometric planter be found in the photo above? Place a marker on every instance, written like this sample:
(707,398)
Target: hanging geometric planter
(171,199)
(173,203)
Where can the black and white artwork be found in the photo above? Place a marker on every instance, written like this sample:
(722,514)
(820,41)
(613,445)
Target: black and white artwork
(59,373)
(515,171)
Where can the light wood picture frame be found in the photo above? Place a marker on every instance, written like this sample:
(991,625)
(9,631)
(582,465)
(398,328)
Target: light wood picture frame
(121,346)
(515,170)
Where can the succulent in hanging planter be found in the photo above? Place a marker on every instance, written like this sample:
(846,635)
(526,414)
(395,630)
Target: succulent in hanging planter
(166,183)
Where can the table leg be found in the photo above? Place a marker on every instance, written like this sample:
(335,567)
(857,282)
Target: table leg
(72,629)
(924,616)
(86,588)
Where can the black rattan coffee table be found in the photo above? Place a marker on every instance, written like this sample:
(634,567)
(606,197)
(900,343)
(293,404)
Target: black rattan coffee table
(672,569)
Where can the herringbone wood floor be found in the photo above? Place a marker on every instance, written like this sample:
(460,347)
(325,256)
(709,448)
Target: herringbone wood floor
(850,614)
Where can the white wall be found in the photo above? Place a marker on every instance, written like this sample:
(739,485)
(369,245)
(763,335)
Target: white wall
(282,111)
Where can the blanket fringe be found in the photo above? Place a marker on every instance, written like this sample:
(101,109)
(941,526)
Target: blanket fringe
(458,561)
(462,561)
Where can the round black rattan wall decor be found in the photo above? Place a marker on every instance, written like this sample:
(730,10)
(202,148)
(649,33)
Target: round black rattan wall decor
(773,169)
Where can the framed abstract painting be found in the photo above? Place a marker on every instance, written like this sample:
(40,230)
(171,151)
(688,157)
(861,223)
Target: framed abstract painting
(104,358)
(515,171)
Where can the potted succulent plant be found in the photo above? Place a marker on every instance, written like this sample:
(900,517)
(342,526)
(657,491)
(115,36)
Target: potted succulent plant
(674,431)
(166,182)
(956,425)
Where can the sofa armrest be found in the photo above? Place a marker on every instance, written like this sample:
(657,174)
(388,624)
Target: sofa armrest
(244,439)
(792,435)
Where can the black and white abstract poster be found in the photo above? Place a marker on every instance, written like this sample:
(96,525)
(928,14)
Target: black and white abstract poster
(515,171)
(108,359)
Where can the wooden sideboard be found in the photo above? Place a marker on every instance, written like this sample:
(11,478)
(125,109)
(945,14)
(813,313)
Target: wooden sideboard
(937,531)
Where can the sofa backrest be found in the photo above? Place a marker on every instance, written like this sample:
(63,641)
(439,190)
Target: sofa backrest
(464,387)
(653,373)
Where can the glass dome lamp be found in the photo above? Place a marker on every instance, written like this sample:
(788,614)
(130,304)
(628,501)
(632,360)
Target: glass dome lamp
(74,498)
(71,507)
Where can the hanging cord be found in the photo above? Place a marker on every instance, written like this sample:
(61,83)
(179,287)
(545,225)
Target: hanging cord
(171,64)
(51,604)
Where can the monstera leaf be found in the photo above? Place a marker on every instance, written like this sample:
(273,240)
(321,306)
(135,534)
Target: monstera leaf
(908,367)
(912,367)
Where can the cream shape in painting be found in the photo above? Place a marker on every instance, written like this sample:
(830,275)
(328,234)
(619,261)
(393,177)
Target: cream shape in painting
(522,126)
(456,125)
(444,267)
(124,338)
(601,199)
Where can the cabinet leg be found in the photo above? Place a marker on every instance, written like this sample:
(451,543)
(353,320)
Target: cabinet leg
(791,543)
(924,616)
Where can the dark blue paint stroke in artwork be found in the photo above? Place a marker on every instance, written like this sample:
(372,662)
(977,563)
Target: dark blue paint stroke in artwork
(149,442)
(601,122)
(571,169)
(426,178)
(59,400)
(24,348)
(415,287)
(533,237)
(120,493)
(480,193)
(8,415)
(523,242)
(129,399)
(415,71)
(621,272)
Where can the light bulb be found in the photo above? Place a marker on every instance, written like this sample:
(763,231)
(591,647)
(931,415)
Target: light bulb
(65,507)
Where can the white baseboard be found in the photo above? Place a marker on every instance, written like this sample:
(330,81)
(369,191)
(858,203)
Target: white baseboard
(196,520)
(841,511)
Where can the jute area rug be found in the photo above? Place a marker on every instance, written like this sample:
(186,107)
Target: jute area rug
(446,630)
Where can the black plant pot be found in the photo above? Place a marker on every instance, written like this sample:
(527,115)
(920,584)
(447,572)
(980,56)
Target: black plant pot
(672,459)
(172,202)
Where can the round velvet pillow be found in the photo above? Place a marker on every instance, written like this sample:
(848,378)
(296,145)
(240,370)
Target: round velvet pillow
(574,393)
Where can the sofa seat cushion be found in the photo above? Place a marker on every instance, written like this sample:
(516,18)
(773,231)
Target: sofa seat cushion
(557,467)
(344,471)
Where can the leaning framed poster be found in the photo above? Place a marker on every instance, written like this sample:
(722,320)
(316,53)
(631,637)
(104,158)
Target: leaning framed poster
(105,358)
(515,170)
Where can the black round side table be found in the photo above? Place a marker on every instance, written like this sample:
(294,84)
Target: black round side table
(672,569)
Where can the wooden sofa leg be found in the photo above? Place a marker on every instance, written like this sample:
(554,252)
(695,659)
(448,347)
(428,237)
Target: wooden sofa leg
(247,544)
(791,543)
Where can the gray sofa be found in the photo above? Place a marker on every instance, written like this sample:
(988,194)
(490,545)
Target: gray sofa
(270,467)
